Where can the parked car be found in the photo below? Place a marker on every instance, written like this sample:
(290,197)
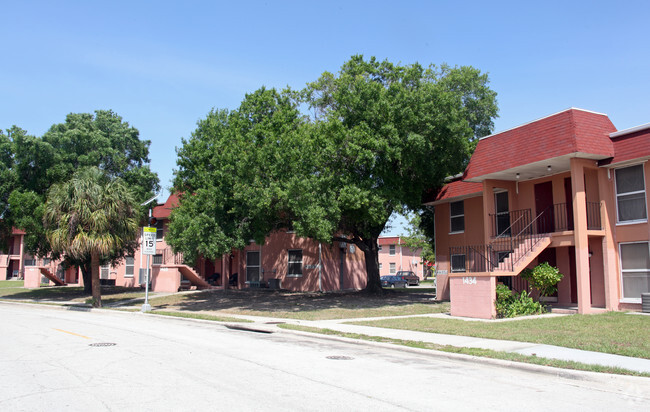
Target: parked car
(410,277)
(393,282)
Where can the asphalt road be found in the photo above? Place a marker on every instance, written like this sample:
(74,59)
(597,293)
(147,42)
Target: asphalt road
(54,359)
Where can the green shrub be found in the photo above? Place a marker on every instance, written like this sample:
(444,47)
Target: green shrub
(509,306)
(544,278)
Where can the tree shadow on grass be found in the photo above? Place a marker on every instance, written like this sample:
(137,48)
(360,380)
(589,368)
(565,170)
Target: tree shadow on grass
(62,293)
(251,300)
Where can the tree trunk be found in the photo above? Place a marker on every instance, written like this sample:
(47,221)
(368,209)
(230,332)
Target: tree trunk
(371,255)
(85,275)
(94,279)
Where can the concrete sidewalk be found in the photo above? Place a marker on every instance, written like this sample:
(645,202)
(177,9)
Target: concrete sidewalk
(524,348)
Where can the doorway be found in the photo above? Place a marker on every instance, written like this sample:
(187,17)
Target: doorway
(544,206)
(502,214)
(253,266)
(568,194)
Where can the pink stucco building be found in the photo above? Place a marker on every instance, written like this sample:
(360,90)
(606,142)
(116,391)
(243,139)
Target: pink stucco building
(568,189)
(284,261)
(394,256)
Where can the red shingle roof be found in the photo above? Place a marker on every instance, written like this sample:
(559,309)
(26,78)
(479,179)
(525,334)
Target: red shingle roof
(457,189)
(163,211)
(388,240)
(631,146)
(570,131)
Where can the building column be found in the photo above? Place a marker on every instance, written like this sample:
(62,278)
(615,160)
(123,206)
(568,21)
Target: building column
(580,234)
(488,207)
(610,270)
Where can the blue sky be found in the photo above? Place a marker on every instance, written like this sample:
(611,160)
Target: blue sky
(163,65)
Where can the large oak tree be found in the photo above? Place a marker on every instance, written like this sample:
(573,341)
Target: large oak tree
(379,135)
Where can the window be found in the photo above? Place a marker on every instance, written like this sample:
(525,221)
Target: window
(30,262)
(458,263)
(130,261)
(157,259)
(457,216)
(630,194)
(295,263)
(104,271)
(46,261)
(380,268)
(635,269)
(159,230)
(391,250)
(392,268)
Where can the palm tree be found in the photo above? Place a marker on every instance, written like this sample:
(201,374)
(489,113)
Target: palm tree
(94,217)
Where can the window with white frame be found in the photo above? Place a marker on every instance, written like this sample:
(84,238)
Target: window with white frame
(392,269)
(635,269)
(295,263)
(129,266)
(391,250)
(630,194)
(457,217)
(104,271)
(160,234)
(458,263)
(30,262)
(380,267)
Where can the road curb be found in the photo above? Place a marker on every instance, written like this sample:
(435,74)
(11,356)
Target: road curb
(601,377)
(578,375)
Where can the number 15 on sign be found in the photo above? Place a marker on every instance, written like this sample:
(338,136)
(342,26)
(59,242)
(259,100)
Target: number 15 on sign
(148,240)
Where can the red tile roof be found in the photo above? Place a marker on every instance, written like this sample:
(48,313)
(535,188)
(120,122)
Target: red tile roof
(163,211)
(570,131)
(457,189)
(388,240)
(630,146)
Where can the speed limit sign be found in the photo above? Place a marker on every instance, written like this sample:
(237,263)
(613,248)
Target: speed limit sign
(148,240)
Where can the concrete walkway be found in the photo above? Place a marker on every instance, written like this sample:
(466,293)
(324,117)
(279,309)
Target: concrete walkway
(524,348)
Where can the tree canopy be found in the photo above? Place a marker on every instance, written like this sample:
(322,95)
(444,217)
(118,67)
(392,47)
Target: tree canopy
(379,135)
(91,217)
(30,165)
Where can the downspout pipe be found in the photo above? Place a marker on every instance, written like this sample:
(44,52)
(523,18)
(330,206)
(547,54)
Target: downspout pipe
(320,267)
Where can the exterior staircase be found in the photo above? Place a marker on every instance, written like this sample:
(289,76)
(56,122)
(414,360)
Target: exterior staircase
(194,278)
(175,260)
(522,256)
(46,272)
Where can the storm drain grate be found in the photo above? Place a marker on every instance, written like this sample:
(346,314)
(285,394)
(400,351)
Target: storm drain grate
(101,344)
(340,357)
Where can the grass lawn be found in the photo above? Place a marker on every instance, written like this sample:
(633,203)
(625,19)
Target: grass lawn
(11,284)
(612,332)
(486,353)
(303,305)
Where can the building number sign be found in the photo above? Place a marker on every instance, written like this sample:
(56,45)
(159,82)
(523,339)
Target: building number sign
(469,280)
(148,240)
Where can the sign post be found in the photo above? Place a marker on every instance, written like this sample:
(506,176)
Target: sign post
(148,248)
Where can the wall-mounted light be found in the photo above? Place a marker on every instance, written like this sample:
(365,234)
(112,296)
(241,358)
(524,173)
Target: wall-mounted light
(591,253)
(548,168)
(517,176)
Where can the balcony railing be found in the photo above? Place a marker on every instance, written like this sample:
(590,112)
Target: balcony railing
(556,218)
(169,257)
(512,243)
